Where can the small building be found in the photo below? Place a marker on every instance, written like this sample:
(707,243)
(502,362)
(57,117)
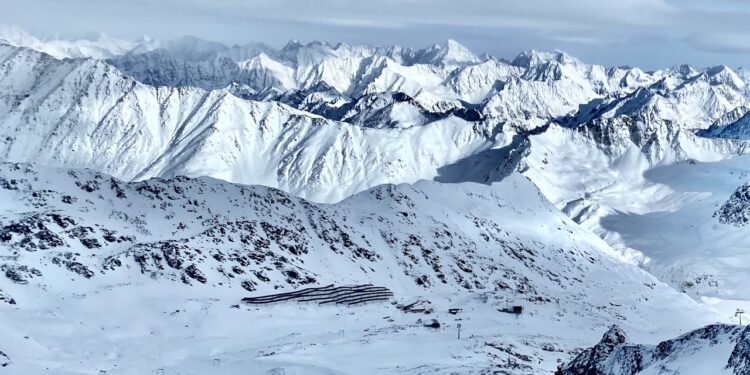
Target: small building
(517,310)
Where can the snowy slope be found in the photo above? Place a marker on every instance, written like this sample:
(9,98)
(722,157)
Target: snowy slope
(644,166)
(383,115)
(85,113)
(440,77)
(409,116)
(181,252)
(739,128)
(654,205)
(532,89)
(535,86)
(372,115)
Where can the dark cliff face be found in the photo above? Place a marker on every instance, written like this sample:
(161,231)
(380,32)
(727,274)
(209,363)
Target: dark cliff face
(739,360)
(598,359)
(612,355)
(736,210)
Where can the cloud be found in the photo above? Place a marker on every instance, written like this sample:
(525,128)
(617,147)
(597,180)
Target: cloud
(726,43)
(580,39)
(544,14)
(640,32)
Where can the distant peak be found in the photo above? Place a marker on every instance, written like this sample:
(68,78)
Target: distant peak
(456,47)
(292,44)
(452,43)
(723,74)
(449,53)
(533,57)
(718,69)
(685,70)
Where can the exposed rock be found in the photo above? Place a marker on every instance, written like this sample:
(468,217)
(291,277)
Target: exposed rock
(195,273)
(612,355)
(5,298)
(736,210)
(20,274)
(739,360)
(4,360)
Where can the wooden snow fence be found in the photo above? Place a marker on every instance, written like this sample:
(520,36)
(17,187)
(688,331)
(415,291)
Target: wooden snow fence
(329,294)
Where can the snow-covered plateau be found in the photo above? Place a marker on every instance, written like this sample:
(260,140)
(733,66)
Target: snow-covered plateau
(147,186)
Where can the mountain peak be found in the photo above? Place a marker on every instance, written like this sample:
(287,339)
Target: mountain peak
(722,74)
(449,53)
(292,44)
(530,58)
(455,45)
(614,336)
(685,70)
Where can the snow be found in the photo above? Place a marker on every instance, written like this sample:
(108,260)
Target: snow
(100,48)
(154,318)
(733,127)
(622,174)
(680,236)
(135,131)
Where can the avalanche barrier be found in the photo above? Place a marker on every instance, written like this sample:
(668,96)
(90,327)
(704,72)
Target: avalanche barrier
(330,294)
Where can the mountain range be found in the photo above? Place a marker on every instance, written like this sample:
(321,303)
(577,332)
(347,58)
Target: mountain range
(435,172)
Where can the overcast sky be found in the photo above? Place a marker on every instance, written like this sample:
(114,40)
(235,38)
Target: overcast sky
(646,33)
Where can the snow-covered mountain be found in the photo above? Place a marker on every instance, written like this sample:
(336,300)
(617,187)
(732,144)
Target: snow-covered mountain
(638,162)
(691,99)
(85,113)
(534,88)
(325,122)
(362,108)
(80,234)
(59,218)
(733,126)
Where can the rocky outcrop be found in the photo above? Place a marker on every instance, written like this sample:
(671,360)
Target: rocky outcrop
(596,360)
(736,210)
(206,233)
(613,355)
(5,298)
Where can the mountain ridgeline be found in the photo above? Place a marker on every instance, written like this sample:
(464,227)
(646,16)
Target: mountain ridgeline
(185,174)
(309,118)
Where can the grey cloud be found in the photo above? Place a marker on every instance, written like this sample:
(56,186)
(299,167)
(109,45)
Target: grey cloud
(726,43)
(648,33)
